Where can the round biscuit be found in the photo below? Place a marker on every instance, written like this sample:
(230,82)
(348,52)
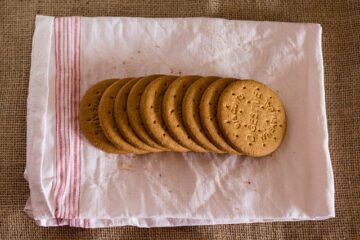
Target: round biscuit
(133,111)
(122,121)
(107,118)
(207,110)
(191,116)
(151,113)
(172,112)
(89,118)
(251,117)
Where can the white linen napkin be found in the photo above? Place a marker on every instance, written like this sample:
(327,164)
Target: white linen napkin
(73,183)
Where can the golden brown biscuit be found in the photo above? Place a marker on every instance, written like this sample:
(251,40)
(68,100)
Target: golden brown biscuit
(208,109)
(252,117)
(172,112)
(151,113)
(191,116)
(89,119)
(133,111)
(107,120)
(122,121)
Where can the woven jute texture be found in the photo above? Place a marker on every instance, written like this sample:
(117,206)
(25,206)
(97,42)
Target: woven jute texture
(341,46)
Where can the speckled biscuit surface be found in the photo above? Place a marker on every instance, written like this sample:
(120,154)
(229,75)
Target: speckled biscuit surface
(89,119)
(172,112)
(251,117)
(208,112)
(122,121)
(191,116)
(133,111)
(151,113)
(107,120)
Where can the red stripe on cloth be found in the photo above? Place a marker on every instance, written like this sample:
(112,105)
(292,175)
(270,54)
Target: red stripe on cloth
(87,223)
(76,125)
(66,122)
(68,106)
(59,140)
(75,121)
(56,114)
(63,117)
(76,128)
(73,106)
(79,138)
(68,143)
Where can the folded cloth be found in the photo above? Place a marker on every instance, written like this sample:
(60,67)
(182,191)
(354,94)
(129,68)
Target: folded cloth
(73,183)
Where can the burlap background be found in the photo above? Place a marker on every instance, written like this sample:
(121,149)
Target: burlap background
(341,45)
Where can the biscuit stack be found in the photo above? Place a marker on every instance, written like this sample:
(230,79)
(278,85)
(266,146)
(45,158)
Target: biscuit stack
(189,113)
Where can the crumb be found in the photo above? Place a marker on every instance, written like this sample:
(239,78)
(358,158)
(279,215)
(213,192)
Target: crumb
(160,175)
(123,62)
(180,72)
(123,166)
(138,51)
